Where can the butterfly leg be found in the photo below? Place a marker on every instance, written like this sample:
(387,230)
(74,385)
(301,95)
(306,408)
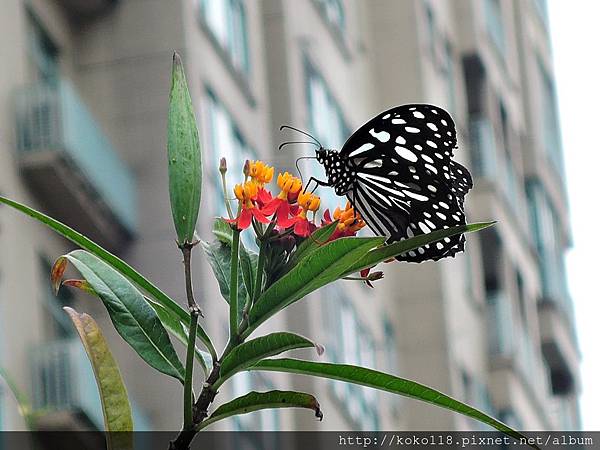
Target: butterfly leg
(317,184)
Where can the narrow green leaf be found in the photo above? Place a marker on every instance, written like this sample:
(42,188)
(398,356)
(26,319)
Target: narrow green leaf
(115,262)
(132,317)
(181,333)
(255,401)
(386,252)
(113,394)
(382,381)
(249,352)
(322,266)
(312,242)
(23,404)
(185,156)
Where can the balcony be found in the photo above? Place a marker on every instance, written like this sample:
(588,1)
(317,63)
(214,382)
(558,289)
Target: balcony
(559,348)
(511,346)
(71,166)
(64,386)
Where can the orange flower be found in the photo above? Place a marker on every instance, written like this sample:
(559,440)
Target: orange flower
(260,172)
(308,202)
(280,206)
(349,221)
(247,194)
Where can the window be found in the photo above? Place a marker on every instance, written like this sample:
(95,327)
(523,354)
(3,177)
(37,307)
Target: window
(493,19)
(226,21)
(325,122)
(224,140)
(549,115)
(350,342)
(333,10)
(43,53)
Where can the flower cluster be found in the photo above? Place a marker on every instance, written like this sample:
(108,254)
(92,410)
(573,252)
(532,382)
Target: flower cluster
(292,210)
(283,220)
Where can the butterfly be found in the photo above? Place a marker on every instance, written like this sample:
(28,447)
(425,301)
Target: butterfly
(397,172)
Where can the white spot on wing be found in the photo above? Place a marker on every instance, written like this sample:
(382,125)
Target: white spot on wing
(381,136)
(406,153)
(361,149)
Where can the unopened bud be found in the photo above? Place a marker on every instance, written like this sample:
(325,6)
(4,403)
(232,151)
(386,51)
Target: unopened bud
(223,166)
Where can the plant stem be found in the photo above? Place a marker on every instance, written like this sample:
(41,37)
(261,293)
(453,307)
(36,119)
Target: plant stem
(233,289)
(195,311)
(188,397)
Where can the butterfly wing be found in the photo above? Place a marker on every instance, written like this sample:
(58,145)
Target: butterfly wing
(406,182)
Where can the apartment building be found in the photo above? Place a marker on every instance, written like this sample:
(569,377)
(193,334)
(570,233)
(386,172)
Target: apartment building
(82,136)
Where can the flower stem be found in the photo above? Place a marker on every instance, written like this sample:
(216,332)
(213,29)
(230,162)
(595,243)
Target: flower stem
(233,289)
(227,203)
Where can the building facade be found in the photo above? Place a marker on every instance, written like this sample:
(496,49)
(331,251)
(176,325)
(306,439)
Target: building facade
(83,103)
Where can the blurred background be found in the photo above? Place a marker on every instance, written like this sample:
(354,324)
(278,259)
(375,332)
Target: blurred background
(83,104)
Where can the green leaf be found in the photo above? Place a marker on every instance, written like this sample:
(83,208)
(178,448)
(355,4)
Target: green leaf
(324,265)
(255,401)
(219,258)
(181,333)
(248,259)
(382,381)
(386,252)
(185,156)
(115,262)
(23,404)
(113,394)
(249,352)
(132,317)
(222,231)
(248,264)
(312,242)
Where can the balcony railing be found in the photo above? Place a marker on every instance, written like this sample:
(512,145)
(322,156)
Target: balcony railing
(63,381)
(70,163)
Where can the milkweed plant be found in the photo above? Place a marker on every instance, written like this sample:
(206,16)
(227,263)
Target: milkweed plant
(302,246)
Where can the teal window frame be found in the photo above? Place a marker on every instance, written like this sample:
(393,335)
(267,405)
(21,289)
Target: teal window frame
(449,69)
(227,22)
(334,13)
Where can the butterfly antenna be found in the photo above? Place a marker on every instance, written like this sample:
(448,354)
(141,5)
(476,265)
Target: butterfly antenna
(296,142)
(282,127)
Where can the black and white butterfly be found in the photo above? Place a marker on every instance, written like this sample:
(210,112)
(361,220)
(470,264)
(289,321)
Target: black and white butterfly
(397,172)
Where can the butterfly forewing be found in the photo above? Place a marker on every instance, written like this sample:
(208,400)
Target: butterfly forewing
(404,181)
